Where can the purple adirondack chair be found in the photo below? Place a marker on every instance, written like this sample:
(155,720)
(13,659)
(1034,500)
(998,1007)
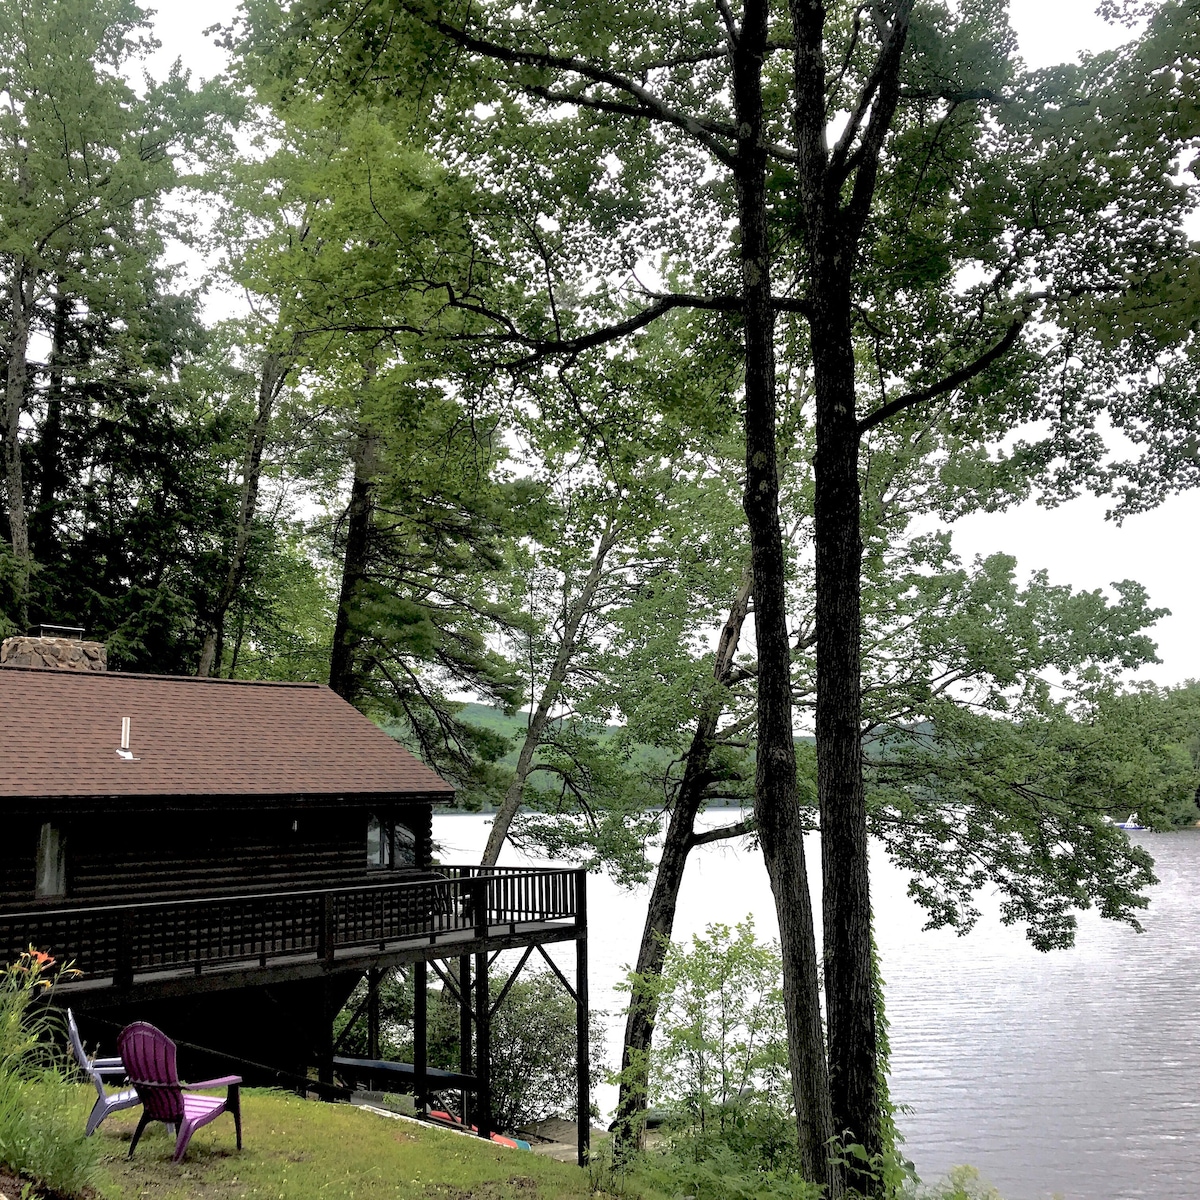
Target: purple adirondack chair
(149,1057)
(96,1069)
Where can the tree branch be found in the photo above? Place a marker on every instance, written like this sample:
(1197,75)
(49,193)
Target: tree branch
(610,333)
(576,66)
(884,87)
(949,383)
(731,29)
(642,111)
(721,834)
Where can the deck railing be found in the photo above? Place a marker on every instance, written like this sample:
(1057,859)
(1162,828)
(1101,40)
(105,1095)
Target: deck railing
(125,940)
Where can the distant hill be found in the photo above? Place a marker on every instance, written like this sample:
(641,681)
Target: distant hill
(514,728)
(495,720)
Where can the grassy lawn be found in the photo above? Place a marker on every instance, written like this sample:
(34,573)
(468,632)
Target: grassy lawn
(302,1149)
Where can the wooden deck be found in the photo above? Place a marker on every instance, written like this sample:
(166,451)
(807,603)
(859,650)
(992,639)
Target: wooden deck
(176,947)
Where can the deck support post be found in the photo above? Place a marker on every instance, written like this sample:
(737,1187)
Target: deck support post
(464,1027)
(483,1047)
(373,1012)
(421,1035)
(583,1049)
(372,1017)
(329,1011)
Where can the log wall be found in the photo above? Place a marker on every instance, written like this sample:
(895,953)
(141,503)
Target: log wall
(144,856)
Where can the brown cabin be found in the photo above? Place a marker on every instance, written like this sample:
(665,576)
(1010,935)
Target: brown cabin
(122,788)
(229,859)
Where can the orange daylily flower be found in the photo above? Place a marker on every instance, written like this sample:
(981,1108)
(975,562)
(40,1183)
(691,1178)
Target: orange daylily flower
(41,959)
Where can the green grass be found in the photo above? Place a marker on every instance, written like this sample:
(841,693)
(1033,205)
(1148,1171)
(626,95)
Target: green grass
(303,1150)
(41,1132)
(296,1149)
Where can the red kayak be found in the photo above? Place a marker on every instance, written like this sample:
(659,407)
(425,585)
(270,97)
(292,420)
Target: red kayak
(438,1114)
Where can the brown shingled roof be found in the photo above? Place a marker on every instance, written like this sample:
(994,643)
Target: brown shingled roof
(60,730)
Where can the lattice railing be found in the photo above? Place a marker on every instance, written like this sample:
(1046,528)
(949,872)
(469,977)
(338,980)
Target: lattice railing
(126,940)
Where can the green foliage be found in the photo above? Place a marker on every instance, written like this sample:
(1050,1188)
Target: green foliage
(533,1041)
(41,1123)
(895,1171)
(27,1023)
(961,1183)
(337,228)
(721,1048)
(1026,803)
(641,548)
(112,485)
(133,556)
(719,1068)
(41,1133)
(281,625)
(534,1052)
(723,1175)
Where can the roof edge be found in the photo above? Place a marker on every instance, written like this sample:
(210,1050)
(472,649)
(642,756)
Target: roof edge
(422,796)
(59,673)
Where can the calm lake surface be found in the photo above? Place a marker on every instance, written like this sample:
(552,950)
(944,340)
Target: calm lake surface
(1072,1074)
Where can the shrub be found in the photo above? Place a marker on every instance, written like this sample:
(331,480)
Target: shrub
(962,1183)
(41,1133)
(533,1041)
(719,1069)
(723,1174)
(720,1064)
(41,1122)
(24,1022)
(534,1051)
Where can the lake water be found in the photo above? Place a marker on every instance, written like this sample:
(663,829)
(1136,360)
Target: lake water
(1072,1074)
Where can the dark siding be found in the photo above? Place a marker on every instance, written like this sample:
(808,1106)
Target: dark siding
(419,818)
(156,855)
(18,857)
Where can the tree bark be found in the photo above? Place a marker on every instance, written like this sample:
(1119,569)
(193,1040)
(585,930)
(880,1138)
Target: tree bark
(853,1081)
(344,675)
(49,449)
(835,191)
(271,380)
(776,803)
(538,720)
(16,379)
(664,895)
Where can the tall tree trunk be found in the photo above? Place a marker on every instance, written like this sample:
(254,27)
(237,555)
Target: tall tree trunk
(270,383)
(16,378)
(664,895)
(776,802)
(853,1080)
(49,449)
(835,192)
(343,660)
(577,611)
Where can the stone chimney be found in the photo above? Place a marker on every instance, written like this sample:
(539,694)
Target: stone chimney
(59,648)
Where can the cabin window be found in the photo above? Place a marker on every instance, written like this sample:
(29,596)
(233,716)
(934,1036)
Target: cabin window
(379,843)
(390,844)
(404,846)
(51,875)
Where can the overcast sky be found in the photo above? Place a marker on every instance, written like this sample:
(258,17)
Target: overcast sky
(1074,543)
